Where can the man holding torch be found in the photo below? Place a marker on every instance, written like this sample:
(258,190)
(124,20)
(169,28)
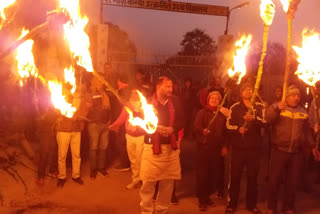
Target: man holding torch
(246,148)
(289,127)
(160,158)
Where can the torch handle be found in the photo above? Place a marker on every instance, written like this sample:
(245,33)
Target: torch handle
(286,75)
(260,70)
(31,34)
(107,84)
(218,110)
(316,108)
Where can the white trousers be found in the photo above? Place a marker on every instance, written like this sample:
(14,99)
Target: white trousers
(163,200)
(64,139)
(135,149)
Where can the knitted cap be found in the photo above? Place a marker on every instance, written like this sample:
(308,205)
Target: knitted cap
(292,90)
(246,85)
(216,93)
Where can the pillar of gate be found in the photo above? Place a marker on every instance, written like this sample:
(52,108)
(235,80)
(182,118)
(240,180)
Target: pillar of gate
(224,55)
(99,32)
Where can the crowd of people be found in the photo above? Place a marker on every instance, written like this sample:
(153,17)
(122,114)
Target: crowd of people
(238,130)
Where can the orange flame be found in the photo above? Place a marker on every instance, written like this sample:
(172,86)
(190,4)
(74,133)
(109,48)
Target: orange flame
(76,36)
(150,121)
(3,5)
(308,57)
(239,60)
(70,78)
(285,4)
(25,60)
(59,101)
(267,11)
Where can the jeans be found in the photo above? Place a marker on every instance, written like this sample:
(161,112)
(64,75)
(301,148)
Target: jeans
(251,159)
(279,162)
(208,163)
(98,144)
(47,154)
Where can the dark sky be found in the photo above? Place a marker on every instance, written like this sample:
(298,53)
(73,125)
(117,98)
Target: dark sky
(161,32)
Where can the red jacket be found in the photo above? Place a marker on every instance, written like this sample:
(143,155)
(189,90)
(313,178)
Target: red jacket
(123,118)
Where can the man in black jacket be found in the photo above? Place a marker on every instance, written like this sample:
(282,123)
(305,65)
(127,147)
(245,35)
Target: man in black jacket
(289,128)
(246,146)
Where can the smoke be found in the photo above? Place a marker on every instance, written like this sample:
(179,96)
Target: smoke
(92,10)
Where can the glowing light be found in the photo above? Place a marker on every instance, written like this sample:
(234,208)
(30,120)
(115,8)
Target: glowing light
(308,57)
(239,60)
(267,11)
(150,121)
(25,59)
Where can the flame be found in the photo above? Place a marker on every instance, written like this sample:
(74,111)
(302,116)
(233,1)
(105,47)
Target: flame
(308,57)
(25,60)
(267,11)
(150,121)
(239,66)
(285,4)
(70,78)
(59,101)
(3,5)
(76,36)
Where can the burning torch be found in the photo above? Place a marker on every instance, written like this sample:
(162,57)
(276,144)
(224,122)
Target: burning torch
(267,11)
(309,69)
(290,7)
(4,4)
(237,71)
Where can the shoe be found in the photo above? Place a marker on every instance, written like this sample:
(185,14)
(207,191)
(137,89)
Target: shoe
(270,212)
(61,182)
(229,210)
(53,174)
(211,203)
(174,200)
(133,185)
(103,172)
(78,180)
(40,181)
(317,180)
(288,212)
(202,207)
(93,174)
(255,211)
(122,169)
(220,195)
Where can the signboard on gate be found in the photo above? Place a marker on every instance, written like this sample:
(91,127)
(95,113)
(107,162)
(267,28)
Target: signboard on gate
(172,6)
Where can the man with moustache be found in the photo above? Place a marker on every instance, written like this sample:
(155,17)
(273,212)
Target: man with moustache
(290,131)
(160,158)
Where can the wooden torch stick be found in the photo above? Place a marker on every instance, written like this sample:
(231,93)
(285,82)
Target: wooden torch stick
(30,35)
(220,106)
(107,84)
(286,75)
(316,108)
(260,70)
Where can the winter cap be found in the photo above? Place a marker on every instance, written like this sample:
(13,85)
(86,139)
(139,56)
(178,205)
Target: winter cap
(216,93)
(292,90)
(246,85)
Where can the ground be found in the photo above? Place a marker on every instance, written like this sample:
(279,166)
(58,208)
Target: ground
(107,195)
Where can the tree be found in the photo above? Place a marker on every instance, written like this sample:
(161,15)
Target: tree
(197,42)
(275,60)
(119,40)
